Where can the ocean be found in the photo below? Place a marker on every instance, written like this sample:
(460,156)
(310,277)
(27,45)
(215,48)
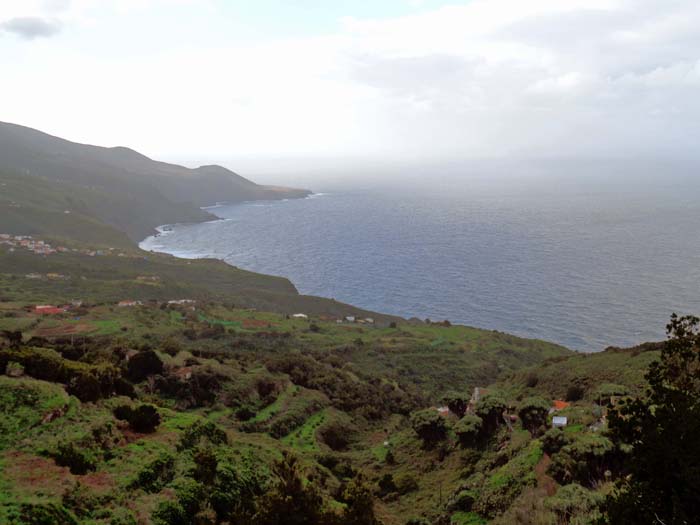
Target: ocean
(586,262)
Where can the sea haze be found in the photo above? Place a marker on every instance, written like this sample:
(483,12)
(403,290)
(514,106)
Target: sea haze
(587,262)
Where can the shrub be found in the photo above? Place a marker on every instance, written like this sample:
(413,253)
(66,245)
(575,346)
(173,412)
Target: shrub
(605,392)
(457,402)
(202,430)
(575,393)
(533,414)
(386,485)
(85,387)
(144,418)
(337,434)
(575,505)
(429,425)
(490,409)
(406,483)
(79,460)
(144,364)
(154,476)
(554,440)
(468,429)
(42,514)
(584,461)
(531,380)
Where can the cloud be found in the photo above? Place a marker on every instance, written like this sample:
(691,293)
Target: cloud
(480,78)
(31,27)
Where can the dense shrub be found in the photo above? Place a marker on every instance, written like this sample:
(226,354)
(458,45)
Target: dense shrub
(79,460)
(202,431)
(338,435)
(201,389)
(533,414)
(40,514)
(490,409)
(457,402)
(554,440)
(87,382)
(429,425)
(584,461)
(142,365)
(85,387)
(158,473)
(575,392)
(468,429)
(144,418)
(576,505)
(406,483)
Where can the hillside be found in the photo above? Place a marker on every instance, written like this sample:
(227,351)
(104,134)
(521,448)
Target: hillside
(109,411)
(245,386)
(123,188)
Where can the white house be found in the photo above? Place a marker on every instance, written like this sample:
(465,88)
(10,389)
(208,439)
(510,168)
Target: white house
(559,421)
(300,316)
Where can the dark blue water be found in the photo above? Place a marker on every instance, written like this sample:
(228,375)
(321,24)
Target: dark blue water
(585,264)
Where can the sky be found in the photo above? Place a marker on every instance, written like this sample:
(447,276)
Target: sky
(396,80)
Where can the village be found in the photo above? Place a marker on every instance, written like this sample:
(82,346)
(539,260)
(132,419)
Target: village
(41,247)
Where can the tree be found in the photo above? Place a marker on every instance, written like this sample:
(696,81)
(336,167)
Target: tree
(490,409)
(360,504)
(144,418)
(468,429)
(144,364)
(662,429)
(291,500)
(429,425)
(533,414)
(457,402)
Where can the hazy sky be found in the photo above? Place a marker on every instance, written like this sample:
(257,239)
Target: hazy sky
(392,79)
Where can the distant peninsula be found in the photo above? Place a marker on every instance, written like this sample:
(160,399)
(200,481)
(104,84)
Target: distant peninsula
(123,188)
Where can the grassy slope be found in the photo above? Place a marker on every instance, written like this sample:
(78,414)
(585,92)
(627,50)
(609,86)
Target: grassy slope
(24,455)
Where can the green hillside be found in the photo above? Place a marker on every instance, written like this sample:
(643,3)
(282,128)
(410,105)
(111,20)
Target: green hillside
(117,186)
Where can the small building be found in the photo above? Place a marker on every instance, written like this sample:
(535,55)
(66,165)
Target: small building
(559,421)
(48,309)
(300,316)
(350,318)
(558,405)
(123,304)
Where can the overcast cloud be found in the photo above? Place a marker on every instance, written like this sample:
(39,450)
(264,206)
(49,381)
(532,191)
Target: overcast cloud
(464,79)
(30,27)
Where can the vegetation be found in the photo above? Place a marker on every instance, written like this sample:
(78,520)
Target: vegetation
(226,409)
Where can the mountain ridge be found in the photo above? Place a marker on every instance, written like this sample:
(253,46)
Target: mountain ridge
(153,191)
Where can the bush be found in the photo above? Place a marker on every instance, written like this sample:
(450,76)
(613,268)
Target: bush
(554,440)
(406,483)
(142,365)
(533,413)
(202,430)
(85,387)
(575,393)
(531,380)
(154,476)
(457,402)
(79,460)
(41,514)
(468,429)
(575,505)
(584,461)
(337,434)
(490,409)
(429,425)
(144,418)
